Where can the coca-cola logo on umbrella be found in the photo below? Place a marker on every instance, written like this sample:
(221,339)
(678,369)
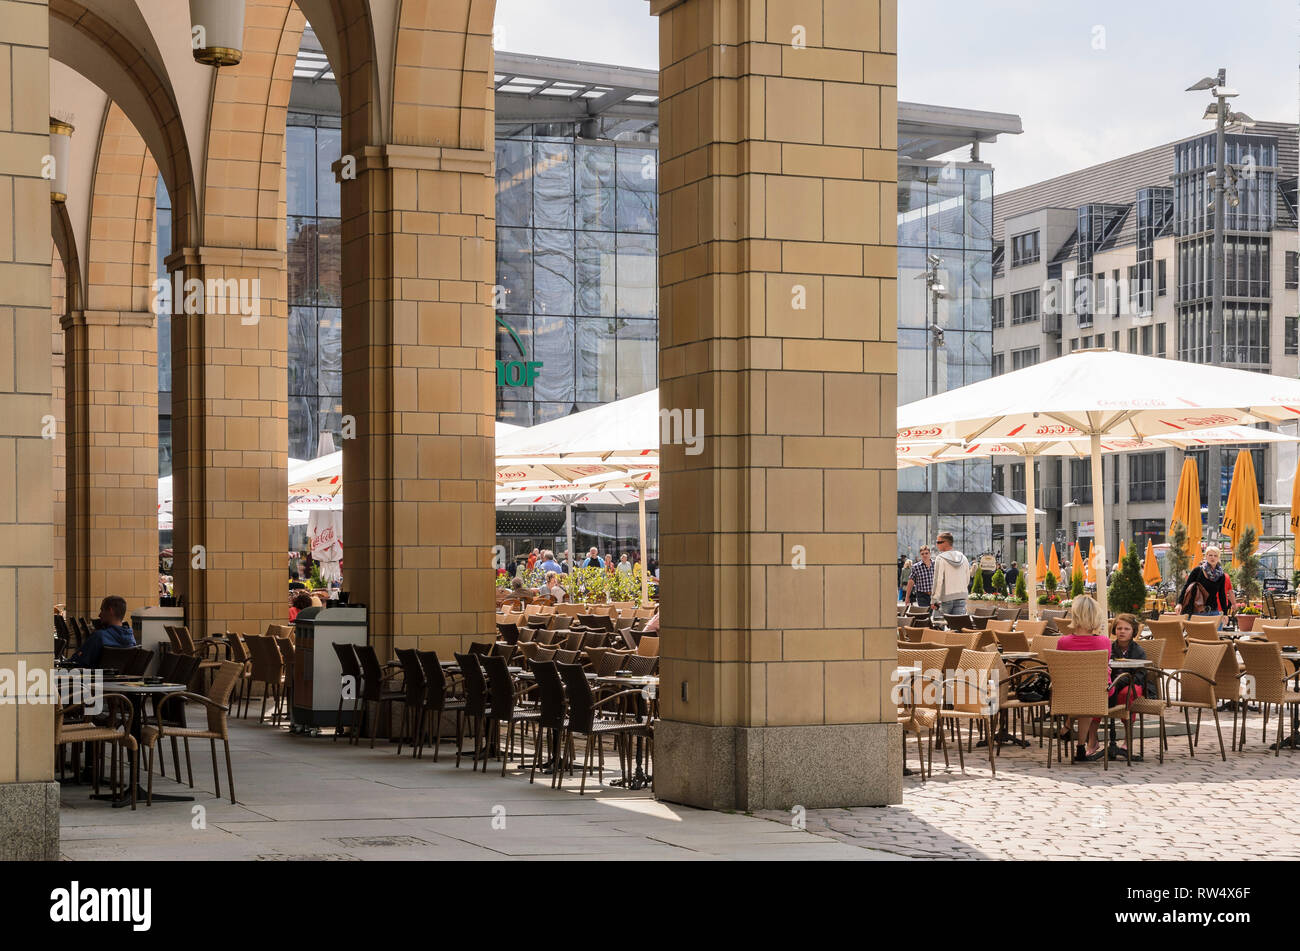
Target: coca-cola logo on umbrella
(1207,420)
(919,433)
(1055,430)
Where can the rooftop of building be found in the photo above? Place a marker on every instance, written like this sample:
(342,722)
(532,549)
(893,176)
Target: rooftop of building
(1117,182)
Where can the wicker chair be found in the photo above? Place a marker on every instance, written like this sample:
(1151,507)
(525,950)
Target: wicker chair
(1031,628)
(585,720)
(1171,632)
(115,733)
(998,626)
(965,639)
(1201,630)
(350,674)
(640,666)
(217,704)
(372,687)
(1215,677)
(507,709)
(920,714)
(959,622)
(1150,705)
(1006,614)
(1012,640)
(1268,683)
(1043,642)
(970,700)
(1285,635)
(1080,691)
(648,646)
(477,706)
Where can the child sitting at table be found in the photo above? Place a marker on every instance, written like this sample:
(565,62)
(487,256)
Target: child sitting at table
(1087,620)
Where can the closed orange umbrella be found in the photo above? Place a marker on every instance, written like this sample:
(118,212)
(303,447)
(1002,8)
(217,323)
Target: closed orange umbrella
(1054,563)
(1120,560)
(1243,501)
(1295,513)
(1187,509)
(1076,566)
(1151,567)
(1089,566)
(1042,563)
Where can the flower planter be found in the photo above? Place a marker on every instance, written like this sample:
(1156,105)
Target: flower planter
(1246,622)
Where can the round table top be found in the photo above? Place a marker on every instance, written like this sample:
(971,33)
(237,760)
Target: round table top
(648,681)
(1127,662)
(144,688)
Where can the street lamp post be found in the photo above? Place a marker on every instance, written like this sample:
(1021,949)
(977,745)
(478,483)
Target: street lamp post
(1222,189)
(934,286)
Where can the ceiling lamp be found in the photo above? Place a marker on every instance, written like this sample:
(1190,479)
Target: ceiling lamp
(217,31)
(60,152)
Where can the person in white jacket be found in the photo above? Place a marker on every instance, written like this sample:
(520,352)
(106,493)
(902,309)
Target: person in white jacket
(951,576)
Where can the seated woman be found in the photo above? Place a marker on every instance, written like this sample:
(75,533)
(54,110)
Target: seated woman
(519,591)
(553,587)
(1087,619)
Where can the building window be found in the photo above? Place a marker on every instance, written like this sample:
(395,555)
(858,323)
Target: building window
(1134,302)
(1024,307)
(1289,342)
(1202,457)
(999,364)
(1024,358)
(1146,340)
(1081,481)
(1293,269)
(1146,477)
(1160,340)
(1114,340)
(1114,292)
(1144,530)
(998,312)
(1162,277)
(999,479)
(1018,481)
(1132,340)
(1024,249)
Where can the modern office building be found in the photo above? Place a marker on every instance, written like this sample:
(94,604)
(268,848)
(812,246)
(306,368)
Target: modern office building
(1119,256)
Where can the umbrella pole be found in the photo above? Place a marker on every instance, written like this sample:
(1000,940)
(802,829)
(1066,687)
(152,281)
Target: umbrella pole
(1031,536)
(645,565)
(568,529)
(1098,523)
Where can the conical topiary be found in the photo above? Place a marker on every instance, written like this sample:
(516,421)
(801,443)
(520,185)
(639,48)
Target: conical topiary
(1127,594)
(1021,594)
(999,582)
(1076,584)
(977,586)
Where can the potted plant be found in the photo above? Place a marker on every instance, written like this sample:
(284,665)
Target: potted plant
(1022,595)
(999,582)
(977,584)
(1246,618)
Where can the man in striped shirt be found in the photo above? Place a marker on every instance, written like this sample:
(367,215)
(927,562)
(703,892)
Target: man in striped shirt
(920,583)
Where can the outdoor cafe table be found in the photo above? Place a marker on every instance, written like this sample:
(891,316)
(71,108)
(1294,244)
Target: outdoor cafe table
(1293,741)
(136,692)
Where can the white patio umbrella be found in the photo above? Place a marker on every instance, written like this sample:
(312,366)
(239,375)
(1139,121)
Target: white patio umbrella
(1096,395)
(618,441)
(924,454)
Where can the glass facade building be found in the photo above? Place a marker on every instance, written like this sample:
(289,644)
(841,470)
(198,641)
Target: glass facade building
(1252,161)
(577,271)
(945,210)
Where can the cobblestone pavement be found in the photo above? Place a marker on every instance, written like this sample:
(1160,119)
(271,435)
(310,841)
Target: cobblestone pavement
(1185,808)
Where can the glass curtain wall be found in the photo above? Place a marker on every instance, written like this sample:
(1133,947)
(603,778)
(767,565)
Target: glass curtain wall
(315,289)
(945,210)
(578,289)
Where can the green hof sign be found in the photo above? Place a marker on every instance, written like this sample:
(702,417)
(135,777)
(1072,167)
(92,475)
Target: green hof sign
(516,372)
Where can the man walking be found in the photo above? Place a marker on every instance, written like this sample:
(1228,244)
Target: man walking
(951,576)
(920,580)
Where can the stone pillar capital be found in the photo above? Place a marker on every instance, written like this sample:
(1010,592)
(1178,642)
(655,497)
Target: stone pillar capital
(214,256)
(420,157)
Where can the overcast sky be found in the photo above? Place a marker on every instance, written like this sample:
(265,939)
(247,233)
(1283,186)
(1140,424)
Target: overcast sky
(1091,81)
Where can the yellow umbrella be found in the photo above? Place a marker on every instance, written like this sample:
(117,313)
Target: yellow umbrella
(1295,513)
(1076,566)
(1089,569)
(1187,509)
(1054,563)
(1151,567)
(1242,509)
(1042,564)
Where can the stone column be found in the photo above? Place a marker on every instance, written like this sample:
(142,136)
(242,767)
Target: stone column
(230,435)
(418,374)
(29,797)
(112,458)
(777,323)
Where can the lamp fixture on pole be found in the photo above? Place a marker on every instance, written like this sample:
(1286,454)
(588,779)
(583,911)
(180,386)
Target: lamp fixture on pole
(217,31)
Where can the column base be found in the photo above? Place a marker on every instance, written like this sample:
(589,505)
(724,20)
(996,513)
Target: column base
(778,767)
(29,822)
